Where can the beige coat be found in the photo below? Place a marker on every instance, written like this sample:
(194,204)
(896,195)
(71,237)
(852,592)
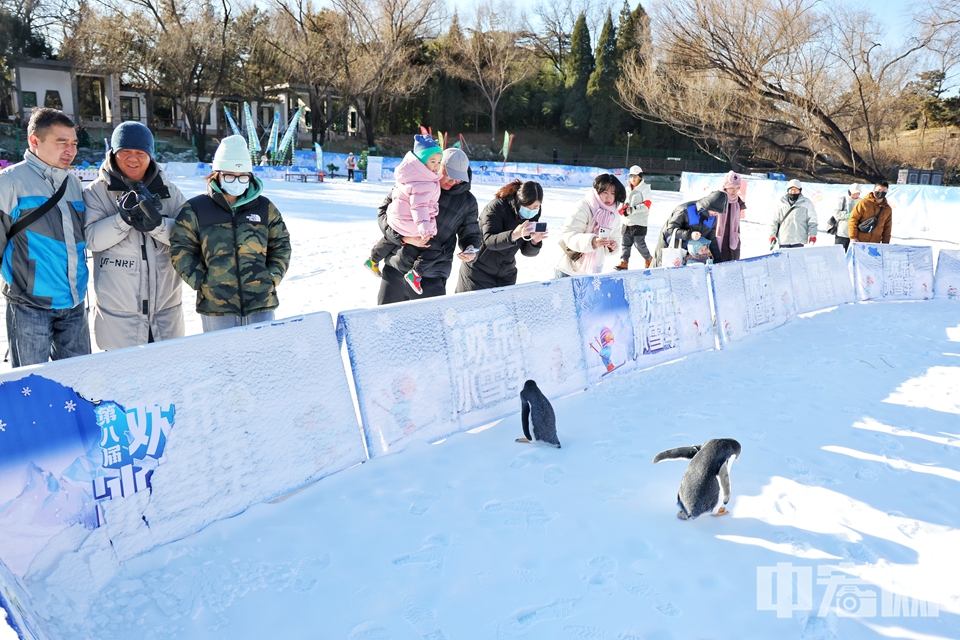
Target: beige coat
(577,235)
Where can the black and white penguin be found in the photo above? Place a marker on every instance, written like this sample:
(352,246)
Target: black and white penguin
(705,486)
(536,414)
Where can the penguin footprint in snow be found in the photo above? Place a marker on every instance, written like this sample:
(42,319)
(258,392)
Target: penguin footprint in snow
(536,414)
(705,486)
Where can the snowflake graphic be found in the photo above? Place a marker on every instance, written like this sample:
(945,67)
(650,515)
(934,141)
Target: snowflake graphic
(596,284)
(3,425)
(25,391)
(70,406)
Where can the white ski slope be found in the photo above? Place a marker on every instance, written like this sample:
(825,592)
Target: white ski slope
(851,455)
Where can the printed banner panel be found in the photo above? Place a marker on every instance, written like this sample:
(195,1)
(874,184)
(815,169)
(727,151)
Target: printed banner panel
(606,326)
(947,282)
(427,369)
(820,277)
(149,444)
(891,271)
(752,295)
(670,311)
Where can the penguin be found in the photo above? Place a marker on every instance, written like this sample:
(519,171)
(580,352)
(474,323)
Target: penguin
(706,483)
(536,414)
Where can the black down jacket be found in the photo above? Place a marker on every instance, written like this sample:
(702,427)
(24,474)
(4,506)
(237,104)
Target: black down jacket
(496,265)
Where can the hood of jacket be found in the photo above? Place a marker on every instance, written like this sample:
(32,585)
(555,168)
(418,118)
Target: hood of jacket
(714,201)
(412,170)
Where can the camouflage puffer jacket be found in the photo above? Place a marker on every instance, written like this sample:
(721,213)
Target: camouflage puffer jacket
(233,257)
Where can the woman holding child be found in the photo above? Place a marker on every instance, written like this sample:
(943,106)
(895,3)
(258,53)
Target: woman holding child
(508,227)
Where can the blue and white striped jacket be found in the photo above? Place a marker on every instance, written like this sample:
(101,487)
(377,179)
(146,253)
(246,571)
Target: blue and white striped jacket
(43,265)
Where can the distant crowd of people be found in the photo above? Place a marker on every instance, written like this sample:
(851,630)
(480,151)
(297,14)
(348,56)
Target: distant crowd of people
(232,247)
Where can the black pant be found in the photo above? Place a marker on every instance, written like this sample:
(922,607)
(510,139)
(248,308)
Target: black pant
(635,235)
(844,241)
(350,175)
(393,288)
(382,250)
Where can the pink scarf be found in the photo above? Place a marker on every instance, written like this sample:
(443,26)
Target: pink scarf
(603,217)
(730,223)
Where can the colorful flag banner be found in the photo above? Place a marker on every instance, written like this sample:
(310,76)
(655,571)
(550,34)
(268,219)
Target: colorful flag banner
(274,132)
(232,123)
(253,141)
(507,143)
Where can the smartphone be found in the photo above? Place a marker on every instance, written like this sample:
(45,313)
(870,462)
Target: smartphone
(471,250)
(539,227)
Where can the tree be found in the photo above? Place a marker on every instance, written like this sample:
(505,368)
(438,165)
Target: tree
(382,53)
(602,90)
(580,65)
(18,41)
(779,84)
(490,58)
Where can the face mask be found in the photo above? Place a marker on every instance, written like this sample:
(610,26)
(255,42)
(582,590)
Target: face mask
(235,188)
(792,197)
(526,214)
(880,195)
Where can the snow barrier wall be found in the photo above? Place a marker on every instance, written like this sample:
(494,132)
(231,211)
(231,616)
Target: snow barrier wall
(561,333)
(947,281)
(110,455)
(919,212)
(891,272)
(758,294)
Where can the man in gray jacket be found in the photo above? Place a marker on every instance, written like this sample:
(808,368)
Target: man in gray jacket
(44,267)
(795,221)
(131,209)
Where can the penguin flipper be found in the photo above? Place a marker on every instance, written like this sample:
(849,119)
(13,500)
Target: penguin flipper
(525,418)
(724,476)
(679,452)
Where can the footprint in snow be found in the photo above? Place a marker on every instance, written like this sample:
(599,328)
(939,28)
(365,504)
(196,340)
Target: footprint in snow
(585,633)
(369,631)
(867,474)
(423,502)
(669,609)
(784,417)
(422,618)
(603,570)
(519,623)
(308,571)
(757,435)
(552,474)
(796,465)
(907,526)
(527,457)
(432,554)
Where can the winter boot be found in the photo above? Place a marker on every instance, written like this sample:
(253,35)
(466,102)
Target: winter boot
(373,267)
(646,263)
(413,279)
(622,266)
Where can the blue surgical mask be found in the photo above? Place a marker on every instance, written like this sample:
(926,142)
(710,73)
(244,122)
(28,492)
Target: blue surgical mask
(235,188)
(526,214)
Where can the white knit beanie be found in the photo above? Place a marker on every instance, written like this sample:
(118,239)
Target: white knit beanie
(232,155)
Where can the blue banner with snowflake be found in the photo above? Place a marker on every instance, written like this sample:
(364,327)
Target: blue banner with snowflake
(61,454)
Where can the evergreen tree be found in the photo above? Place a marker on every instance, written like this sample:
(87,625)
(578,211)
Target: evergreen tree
(602,89)
(633,32)
(580,64)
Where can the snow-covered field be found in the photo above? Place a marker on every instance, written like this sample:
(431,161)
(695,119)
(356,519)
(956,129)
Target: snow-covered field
(844,498)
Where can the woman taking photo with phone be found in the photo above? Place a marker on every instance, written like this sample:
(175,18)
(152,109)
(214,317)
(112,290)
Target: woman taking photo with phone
(590,231)
(508,225)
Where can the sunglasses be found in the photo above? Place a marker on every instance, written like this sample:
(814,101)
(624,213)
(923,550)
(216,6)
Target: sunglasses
(244,179)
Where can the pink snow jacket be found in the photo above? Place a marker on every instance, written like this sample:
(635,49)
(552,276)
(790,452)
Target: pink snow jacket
(413,210)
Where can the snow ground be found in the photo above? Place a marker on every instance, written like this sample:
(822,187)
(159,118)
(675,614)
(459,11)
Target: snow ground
(851,450)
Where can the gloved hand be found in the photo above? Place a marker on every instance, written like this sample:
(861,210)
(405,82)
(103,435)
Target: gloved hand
(623,209)
(773,242)
(149,218)
(813,240)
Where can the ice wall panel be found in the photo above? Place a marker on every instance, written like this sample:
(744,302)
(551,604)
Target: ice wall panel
(820,277)
(752,295)
(891,272)
(153,443)
(17,603)
(430,368)
(947,282)
(671,313)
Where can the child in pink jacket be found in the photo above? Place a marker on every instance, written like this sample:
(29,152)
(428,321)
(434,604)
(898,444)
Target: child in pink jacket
(413,207)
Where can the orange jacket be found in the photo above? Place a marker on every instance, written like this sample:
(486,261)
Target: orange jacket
(866,208)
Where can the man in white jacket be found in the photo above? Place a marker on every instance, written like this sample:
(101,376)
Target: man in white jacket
(131,209)
(635,211)
(795,221)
